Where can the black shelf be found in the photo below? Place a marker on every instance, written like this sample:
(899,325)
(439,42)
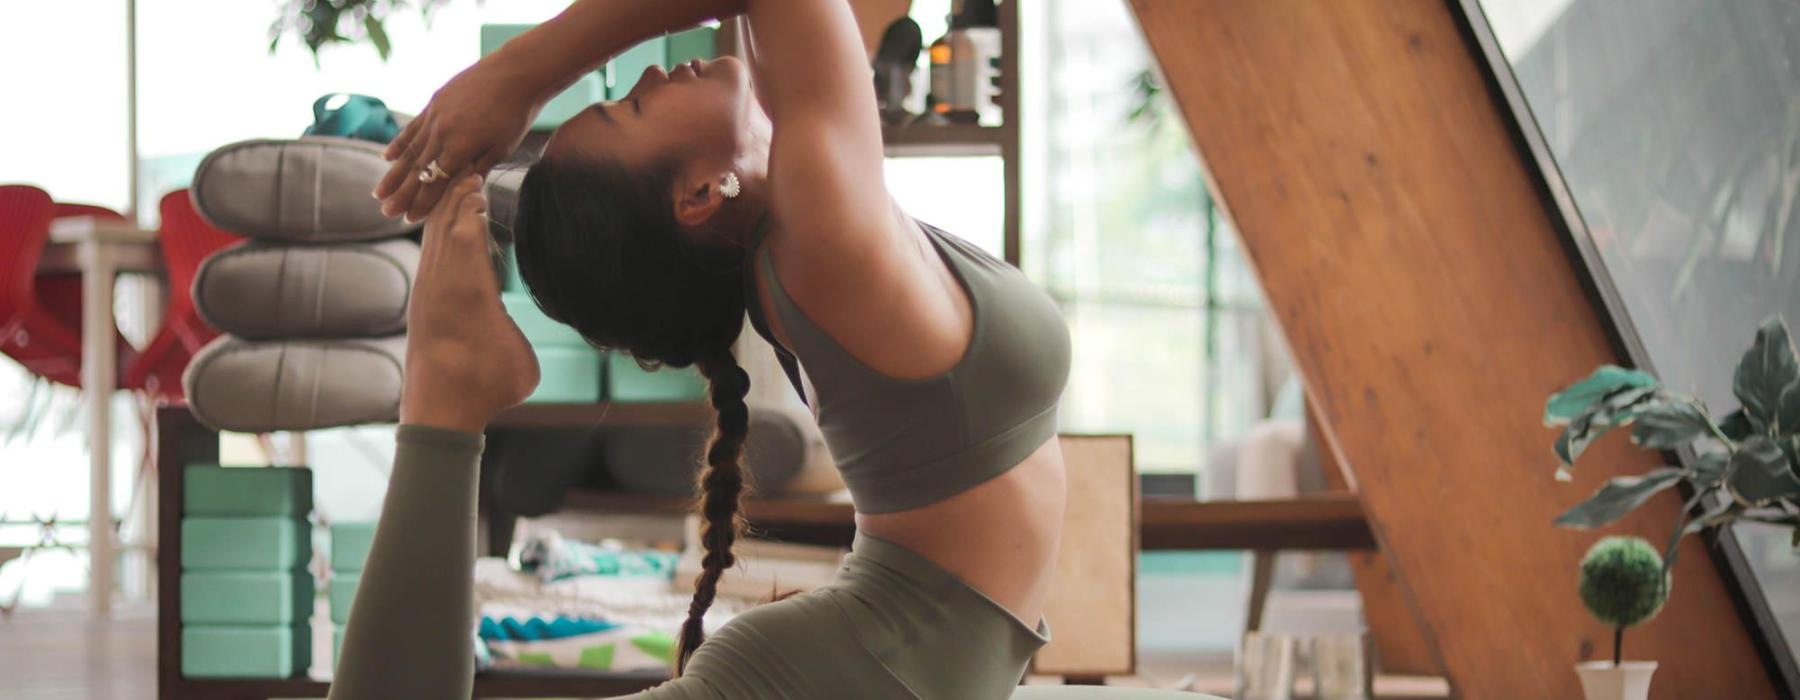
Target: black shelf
(924,139)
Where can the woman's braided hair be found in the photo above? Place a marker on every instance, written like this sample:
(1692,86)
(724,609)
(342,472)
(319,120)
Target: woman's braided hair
(600,250)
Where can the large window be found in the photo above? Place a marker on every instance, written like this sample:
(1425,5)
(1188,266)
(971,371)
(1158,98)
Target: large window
(1676,127)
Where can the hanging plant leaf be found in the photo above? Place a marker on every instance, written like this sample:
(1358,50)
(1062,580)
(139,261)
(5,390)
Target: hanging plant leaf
(1613,410)
(377,35)
(1760,472)
(1618,497)
(1765,375)
(1736,425)
(1669,425)
(1709,468)
(1721,512)
(1564,406)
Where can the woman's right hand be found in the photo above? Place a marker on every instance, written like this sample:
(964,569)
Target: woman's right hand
(472,122)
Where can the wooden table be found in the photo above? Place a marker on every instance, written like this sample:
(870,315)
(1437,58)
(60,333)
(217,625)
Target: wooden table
(99,250)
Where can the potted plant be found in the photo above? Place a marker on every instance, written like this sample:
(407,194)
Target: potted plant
(1743,465)
(1623,583)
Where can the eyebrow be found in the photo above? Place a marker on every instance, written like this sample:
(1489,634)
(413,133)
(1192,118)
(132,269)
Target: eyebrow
(601,108)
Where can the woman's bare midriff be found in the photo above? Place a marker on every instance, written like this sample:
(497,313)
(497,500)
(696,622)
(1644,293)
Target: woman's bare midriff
(999,537)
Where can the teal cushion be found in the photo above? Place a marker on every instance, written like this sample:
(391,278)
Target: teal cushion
(350,545)
(567,375)
(263,544)
(342,591)
(210,490)
(626,381)
(246,597)
(245,651)
(538,328)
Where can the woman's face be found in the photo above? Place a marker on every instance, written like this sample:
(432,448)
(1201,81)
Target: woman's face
(700,110)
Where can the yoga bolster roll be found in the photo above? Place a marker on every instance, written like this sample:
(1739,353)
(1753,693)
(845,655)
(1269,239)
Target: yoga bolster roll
(264,291)
(258,387)
(310,190)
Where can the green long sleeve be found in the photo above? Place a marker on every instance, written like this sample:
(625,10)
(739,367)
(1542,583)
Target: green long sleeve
(413,617)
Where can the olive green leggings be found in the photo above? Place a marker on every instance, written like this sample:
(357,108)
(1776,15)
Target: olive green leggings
(892,624)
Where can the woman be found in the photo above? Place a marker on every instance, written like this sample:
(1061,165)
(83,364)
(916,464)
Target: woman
(652,225)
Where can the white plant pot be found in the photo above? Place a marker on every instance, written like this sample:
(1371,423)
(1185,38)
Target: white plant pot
(1630,680)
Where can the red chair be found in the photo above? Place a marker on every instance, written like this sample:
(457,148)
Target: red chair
(186,240)
(41,340)
(61,294)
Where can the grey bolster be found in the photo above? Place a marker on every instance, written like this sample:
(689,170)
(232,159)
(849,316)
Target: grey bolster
(311,190)
(258,387)
(261,290)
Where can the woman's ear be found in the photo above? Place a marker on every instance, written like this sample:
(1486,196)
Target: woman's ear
(697,198)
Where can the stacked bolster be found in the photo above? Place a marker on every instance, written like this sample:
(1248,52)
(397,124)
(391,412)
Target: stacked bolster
(314,306)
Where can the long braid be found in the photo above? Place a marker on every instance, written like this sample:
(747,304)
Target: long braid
(722,487)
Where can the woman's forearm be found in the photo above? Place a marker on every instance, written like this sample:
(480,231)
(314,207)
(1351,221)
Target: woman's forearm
(580,39)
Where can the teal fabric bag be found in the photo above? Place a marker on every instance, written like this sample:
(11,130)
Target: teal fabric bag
(353,116)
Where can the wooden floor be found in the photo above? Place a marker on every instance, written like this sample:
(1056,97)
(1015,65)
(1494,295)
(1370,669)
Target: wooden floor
(59,654)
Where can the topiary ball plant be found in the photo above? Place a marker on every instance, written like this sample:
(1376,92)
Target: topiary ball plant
(1623,584)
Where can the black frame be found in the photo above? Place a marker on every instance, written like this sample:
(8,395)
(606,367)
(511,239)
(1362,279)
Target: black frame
(1746,593)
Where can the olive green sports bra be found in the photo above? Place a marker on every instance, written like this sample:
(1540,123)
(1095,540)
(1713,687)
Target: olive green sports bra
(906,443)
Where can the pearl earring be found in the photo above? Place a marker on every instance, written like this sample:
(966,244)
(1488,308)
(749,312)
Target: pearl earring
(731,187)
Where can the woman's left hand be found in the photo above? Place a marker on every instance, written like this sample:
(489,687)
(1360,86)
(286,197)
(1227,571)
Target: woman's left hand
(472,122)
(466,361)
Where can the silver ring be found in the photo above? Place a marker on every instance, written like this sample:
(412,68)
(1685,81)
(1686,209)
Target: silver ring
(432,172)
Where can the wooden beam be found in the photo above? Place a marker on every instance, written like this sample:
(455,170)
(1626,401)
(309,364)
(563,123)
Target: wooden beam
(1431,306)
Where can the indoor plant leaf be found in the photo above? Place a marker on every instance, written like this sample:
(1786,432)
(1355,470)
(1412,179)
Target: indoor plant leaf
(1564,406)
(1669,425)
(1766,373)
(1760,472)
(1736,425)
(1709,468)
(377,35)
(1614,409)
(1618,497)
(1724,510)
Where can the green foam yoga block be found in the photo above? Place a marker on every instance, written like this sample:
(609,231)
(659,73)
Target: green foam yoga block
(691,44)
(211,490)
(627,382)
(264,544)
(567,375)
(350,545)
(342,591)
(246,597)
(589,89)
(513,283)
(623,72)
(245,651)
(541,330)
(337,644)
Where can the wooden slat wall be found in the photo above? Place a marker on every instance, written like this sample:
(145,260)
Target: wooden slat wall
(1431,307)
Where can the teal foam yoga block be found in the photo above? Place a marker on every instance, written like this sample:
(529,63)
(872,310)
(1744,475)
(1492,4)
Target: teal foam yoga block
(245,651)
(246,597)
(627,382)
(350,545)
(342,591)
(210,490)
(567,375)
(691,44)
(264,544)
(538,328)
(337,645)
(623,72)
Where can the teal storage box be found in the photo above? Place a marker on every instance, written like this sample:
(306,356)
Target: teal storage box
(246,597)
(264,544)
(623,72)
(337,645)
(245,651)
(589,89)
(567,375)
(541,330)
(342,591)
(627,382)
(211,490)
(698,42)
(350,545)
